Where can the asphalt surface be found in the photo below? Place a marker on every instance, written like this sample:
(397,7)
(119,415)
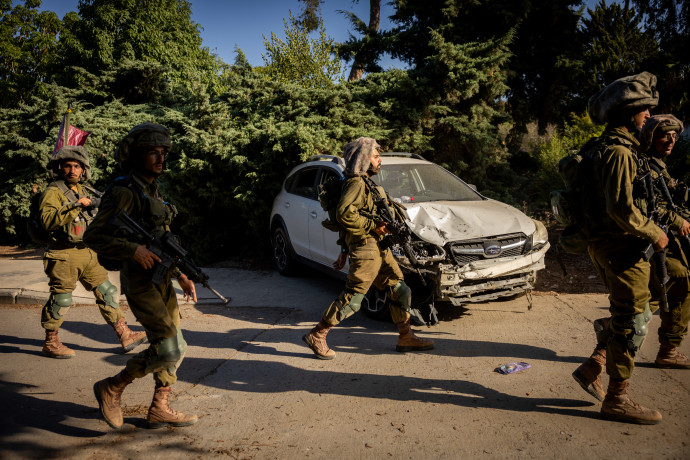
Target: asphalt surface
(260,393)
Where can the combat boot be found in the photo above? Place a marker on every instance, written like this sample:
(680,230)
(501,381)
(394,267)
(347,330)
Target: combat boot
(108,393)
(128,338)
(162,415)
(618,406)
(588,375)
(670,358)
(316,340)
(407,341)
(53,348)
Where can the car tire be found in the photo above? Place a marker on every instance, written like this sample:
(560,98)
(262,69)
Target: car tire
(375,305)
(283,254)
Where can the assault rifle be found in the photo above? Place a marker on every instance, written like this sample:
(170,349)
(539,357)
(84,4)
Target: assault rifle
(683,241)
(399,231)
(659,276)
(168,250)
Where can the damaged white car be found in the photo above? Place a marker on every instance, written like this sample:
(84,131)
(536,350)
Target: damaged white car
(469,248)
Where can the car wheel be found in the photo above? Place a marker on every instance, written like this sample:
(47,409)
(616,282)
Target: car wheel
(283,255)
(375,305)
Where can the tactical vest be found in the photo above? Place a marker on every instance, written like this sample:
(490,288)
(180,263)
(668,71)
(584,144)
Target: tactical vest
(71,233)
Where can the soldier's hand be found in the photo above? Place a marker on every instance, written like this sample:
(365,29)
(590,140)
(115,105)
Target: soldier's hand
(340,261)
(381,228)
(685,229)
(187,286)
(662,243)
(144,257)
(84,202)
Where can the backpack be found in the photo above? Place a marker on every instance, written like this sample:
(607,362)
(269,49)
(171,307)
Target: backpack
(568,205)
(330,193)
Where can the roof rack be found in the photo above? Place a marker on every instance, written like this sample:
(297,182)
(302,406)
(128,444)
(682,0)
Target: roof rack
(403,154)
(331,158)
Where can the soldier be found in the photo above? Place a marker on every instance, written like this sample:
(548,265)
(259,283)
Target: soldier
(66,209)
(142,154)
(658,137)
(369,264)
(618,232)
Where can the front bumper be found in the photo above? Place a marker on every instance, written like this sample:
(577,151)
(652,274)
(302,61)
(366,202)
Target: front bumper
(490,278)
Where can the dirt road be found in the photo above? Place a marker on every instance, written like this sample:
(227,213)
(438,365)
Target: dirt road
(261,394)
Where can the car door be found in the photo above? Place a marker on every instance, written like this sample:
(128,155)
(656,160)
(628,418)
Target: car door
(296,206)
(323,243)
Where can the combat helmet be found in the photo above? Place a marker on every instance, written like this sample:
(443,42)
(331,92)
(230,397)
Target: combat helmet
(625,94)
(71,152)
(144,135)
(357,155)
(662,123)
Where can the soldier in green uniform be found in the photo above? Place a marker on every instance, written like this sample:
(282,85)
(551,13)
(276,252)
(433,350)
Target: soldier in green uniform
(66,209)
(618,233)
(369,264)
(142,154)
(658,137)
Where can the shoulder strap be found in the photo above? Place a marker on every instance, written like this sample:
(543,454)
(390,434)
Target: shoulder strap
(68,192)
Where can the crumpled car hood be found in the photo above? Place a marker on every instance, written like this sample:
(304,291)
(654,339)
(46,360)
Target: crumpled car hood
(440,222)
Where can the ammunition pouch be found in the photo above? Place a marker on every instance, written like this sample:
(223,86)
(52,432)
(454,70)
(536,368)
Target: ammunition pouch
(60,304)
(108,290)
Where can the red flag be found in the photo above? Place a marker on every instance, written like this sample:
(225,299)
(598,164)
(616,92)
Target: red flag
(74,136)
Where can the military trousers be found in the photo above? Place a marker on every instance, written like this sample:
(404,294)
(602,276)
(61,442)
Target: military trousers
(369,265)
(625,274)
(64,268)
(155,308)
(674,323)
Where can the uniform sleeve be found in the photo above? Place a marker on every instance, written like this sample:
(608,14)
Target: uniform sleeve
(351,202)
(101,236)
(666,216)
(620,170)
(56,210)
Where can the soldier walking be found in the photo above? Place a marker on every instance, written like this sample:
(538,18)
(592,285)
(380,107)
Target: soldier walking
(142,154)
(66,210)
(369,264)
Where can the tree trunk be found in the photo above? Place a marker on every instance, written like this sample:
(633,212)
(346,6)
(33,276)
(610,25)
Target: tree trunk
(374,23)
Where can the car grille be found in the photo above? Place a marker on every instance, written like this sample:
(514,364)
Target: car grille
(511,245)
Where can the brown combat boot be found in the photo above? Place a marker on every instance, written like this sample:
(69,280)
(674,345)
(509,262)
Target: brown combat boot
(53,348)
(588,375)
(108,393)
(161,414)
(128,338)
(670,358)
(316,340)
(407,341)
(617,406)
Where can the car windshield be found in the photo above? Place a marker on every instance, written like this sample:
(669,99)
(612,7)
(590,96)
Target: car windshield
(413,183)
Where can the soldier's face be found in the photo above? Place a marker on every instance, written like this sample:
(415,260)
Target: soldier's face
(664,142)
(154,160)
(71,171)
(375,167)
(640,118)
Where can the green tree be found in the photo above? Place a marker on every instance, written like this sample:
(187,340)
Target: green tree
(28,39)
(108,32)
(300,59)
(615,46)
(669,22)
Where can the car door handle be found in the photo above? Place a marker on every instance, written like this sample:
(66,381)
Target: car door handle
(287,204)
(313,214)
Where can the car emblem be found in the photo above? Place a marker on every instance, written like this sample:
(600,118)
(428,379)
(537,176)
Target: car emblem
(492,250)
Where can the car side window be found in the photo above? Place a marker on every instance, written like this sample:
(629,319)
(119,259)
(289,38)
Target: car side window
(326,174)
(303,183)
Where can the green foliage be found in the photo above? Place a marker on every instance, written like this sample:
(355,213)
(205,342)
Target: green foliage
(109,32)
(300,59)
(28,39)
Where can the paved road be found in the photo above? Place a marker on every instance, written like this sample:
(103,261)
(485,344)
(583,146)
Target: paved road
(261,394)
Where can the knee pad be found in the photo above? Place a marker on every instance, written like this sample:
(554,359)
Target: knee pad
(60,304)
(602,331)
(168,353)
(402,294)
(108,290)
(351,307)
(640,321)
